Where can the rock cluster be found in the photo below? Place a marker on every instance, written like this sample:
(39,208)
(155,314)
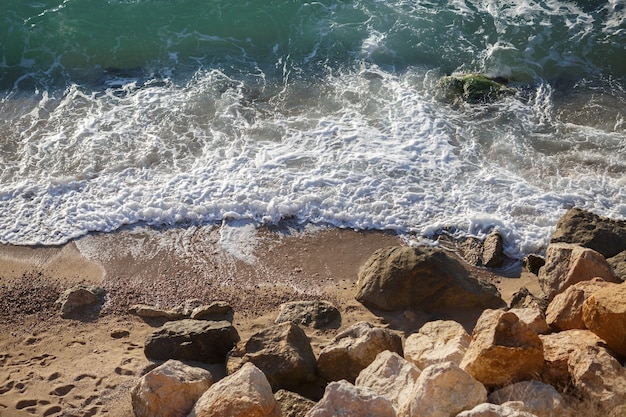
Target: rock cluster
(514,363)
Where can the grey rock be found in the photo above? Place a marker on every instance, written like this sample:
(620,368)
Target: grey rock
(399,278)
(316,314)
(81,301)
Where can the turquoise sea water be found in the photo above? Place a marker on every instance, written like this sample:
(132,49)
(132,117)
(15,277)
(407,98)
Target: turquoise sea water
(117,112)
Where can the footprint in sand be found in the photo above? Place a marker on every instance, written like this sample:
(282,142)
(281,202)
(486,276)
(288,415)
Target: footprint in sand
(21,404)
(55,409)
(63,390)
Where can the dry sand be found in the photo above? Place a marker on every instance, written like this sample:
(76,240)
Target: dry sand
(55,367)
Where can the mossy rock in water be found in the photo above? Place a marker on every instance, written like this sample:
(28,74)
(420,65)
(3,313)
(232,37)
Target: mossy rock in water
(475,88)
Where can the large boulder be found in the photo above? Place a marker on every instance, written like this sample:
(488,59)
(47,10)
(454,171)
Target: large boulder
(604,313)
(436,342)
(192,340)
(316,314)
(344,399)
(538,398)
(283,352)
(354,349)
(565,311)
(400,277)
(169,390)
(292,404)
(587,229)
(567,264)
(391,376)
(557,350)
(443,390)
(246,393)
(599,377)
(503,350)
(81,301)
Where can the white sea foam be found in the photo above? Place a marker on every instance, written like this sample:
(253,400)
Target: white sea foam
(361,146)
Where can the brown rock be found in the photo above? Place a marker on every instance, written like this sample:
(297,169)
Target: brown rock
(567,264)
(354,349)
(523,298)
(80,302)
(282,352)
(493,250)
(292,404)
(192,340)
(471,250)
(618,263)
(246,393)
(599,377)
(533,263)
(151,312)
(604,313)
(503,350)
(216,311)
(533,317)
(587,229)
(316,314)
(399,278)
(557,349)
(169,390)
(565,311)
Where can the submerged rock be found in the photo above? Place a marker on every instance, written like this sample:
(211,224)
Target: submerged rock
(475,88)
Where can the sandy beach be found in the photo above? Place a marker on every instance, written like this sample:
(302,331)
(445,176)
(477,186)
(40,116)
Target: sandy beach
(59,367)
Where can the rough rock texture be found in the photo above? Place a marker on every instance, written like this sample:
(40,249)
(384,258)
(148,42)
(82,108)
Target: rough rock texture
(604,313)
(533,317)
(557,349)
(80,302)
(216,311)
(246,393)
(436,342)
(443,390)
(537,398)
(391,376)
(475,88)
(354,349)
(169,390)
(471,250)
(618,263)
(292,404)
(587,229)
(493,410)
(283,352)
(398,278)
(493,250)
(599,377)
(316,314)
(503,350)
(567,264)
(192,340)
(525,299)
(344,399)
(565,311)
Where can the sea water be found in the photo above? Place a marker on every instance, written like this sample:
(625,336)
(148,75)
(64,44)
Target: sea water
(330,112)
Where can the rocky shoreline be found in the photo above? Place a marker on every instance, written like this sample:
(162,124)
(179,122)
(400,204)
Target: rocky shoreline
(427,333)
